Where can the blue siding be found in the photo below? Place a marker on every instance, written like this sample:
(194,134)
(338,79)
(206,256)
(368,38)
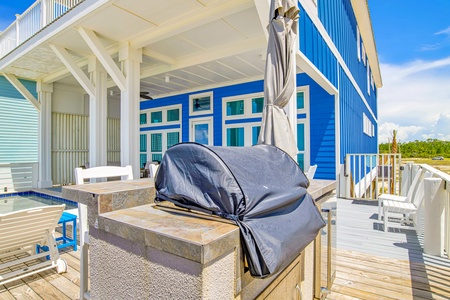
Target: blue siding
(315,48)
(322,118)
(353,139)
(339,20)
(18,124)
(322,128)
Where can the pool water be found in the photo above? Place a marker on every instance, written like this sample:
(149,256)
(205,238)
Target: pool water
(19,202)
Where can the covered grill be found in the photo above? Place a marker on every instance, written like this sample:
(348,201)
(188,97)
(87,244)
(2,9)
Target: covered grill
(260,188)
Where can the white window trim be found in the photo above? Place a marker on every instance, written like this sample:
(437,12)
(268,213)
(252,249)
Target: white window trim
(164,133)
(363,53)
(247,132)
(164,110)
(306,121)
(208,120)
(247,106)
(203,112)
(368,79)
(305,90)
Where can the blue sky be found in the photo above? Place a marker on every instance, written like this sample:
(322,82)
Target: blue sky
(413,43)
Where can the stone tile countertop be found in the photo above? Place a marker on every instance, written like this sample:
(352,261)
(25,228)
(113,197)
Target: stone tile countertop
(195,236)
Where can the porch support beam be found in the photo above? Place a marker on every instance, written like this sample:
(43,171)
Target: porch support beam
(45,92)
(204,16)
(98,113)
(23,90)
(73,67)
(129,107)
(103,56)
(159,56)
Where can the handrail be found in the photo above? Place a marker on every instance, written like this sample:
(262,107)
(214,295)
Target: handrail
(39,15)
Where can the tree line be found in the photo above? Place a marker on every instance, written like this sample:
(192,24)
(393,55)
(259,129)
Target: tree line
(425,149)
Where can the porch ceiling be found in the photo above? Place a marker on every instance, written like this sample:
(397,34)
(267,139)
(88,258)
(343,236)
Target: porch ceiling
(197,43)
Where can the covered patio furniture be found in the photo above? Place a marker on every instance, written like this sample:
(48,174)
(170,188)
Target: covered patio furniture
(20,232)
(261,189)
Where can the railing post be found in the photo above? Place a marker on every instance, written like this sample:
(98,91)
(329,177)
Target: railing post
(434,198)
(17,30)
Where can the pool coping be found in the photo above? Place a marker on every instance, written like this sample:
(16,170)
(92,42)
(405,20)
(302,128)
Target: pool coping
(40,194)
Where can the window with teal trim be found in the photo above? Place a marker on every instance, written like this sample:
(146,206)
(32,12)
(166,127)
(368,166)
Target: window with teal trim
(143,143)
(255,134)
(142,160)
(143,118)
(235,108)
(173,115)
(157,157)
(156,117)
(235,137)
(300,100)
(257,105)
(173,138)
(156,142)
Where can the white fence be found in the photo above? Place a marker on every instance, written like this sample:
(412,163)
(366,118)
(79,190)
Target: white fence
(70,145)
(368,175)
(18,177)
(34,19)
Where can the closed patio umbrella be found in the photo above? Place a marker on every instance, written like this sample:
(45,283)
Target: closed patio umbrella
(279,79)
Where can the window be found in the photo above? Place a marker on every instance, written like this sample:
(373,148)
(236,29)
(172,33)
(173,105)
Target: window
(257,105)
(300,100)
(368,127)
(200,104)
(303,132)
(242,120)
(143,119)
(156,117)
(201,130)
(173,115)
(235,108)
(368,78)
(235,137)
(163,132)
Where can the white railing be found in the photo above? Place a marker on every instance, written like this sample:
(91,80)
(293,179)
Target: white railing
(368,175)
(34,19)
(436,207)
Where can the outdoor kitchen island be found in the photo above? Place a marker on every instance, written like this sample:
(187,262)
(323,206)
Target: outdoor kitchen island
(142,251)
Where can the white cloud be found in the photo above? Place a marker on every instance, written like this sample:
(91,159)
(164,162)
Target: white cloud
(404,133)
(415,100)
(446,31)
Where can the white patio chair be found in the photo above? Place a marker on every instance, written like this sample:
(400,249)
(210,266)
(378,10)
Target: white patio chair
(126,173)
(151,167)
(398,198)
(20,231)
(407,210)
(311,171)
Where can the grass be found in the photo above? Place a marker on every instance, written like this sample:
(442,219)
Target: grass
(442,165)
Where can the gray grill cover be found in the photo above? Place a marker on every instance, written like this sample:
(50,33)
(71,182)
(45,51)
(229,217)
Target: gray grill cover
(260,188)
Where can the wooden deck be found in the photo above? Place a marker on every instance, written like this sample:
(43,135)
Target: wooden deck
(371,264)
(47,284)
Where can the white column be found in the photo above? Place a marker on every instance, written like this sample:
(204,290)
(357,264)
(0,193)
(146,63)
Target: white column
(129,108)
(98,112)
(434,198)
(45,91)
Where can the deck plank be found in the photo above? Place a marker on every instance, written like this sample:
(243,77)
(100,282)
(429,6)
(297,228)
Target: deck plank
(373,264)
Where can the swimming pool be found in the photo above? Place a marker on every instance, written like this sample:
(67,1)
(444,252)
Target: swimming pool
(23,200)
